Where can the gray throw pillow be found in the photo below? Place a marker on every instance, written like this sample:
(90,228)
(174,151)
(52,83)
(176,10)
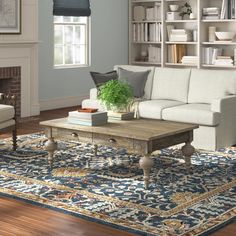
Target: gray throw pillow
(137,80)
(101,78)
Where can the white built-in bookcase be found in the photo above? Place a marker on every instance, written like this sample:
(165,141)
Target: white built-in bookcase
(194,48)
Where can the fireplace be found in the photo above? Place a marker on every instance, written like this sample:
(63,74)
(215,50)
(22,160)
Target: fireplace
(10,83)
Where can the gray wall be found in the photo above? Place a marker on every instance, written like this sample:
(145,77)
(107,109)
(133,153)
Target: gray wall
(109,46)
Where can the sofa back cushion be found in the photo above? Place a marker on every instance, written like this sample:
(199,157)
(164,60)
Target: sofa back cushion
(148,85)
(207,85)
(171,84)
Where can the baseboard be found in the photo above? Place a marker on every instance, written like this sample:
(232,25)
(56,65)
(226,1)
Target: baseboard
(55,103)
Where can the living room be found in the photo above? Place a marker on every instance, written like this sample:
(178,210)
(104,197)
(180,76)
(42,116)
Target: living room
(170,170)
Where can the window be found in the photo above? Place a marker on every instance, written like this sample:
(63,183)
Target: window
(71,41)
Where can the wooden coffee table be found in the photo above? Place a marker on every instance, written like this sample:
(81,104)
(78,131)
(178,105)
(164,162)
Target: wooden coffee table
(141,136)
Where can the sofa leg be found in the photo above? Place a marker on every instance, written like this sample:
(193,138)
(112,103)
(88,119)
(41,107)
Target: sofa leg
(14,139)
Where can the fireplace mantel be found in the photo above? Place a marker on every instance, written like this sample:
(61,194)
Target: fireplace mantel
(25,56)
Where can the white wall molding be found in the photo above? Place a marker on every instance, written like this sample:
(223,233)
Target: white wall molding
(55,103)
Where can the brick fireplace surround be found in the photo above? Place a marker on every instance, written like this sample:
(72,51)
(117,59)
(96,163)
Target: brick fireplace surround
(10,83)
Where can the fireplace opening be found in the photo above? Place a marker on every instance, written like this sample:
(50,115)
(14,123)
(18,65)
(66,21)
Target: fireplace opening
(10,83)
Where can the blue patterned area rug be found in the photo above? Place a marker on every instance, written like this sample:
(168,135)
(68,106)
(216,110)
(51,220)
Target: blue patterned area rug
(109,188)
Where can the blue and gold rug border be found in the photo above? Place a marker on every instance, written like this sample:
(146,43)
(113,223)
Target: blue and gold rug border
(82,216)
(200,231)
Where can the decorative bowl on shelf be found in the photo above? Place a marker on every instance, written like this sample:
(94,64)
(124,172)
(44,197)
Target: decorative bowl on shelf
(174,7)
(225,36)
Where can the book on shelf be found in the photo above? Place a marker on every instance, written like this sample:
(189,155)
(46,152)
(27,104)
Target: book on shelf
(154,54)
(210,54)
(176,53)
(234,56)
(146,32)
(223,10)
(153,13)
(169,28)
(231,9)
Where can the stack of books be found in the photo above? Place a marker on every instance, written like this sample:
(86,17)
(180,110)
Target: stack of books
(224,61)
(181,35)
(210,13)
(190,60)
(176,53)
(87,119)
(120,115)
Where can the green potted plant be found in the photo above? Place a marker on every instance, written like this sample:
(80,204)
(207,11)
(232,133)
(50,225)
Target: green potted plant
(116,95)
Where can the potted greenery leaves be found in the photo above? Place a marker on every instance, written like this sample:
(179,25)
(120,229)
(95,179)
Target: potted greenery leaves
(116,95)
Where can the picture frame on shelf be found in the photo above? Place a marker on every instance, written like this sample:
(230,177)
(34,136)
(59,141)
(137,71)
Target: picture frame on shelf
(10,16)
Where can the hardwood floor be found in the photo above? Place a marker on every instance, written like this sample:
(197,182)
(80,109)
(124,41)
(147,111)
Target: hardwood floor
(22,219)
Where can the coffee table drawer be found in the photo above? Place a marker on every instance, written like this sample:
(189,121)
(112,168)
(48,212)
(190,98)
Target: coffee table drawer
(79,136)
(113,141)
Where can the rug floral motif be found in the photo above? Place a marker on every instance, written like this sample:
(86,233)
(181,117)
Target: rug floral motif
(109,188)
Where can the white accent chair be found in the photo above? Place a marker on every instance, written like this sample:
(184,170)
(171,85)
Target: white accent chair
(7,117)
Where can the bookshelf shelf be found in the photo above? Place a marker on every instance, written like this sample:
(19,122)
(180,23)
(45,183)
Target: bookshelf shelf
(190,43)
(219,43)
(180,64)
(146,63)
(194,33)
(219,21)
(147,21)
(218,66)
(181,21)
(147,42)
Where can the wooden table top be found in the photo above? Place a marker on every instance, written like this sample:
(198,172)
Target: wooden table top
(141,129)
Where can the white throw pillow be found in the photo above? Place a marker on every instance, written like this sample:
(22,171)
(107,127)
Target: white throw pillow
(170,83)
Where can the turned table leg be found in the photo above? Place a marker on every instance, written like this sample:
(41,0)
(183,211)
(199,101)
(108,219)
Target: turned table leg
(146,163)
(95,150)
(50,147)
(188,151)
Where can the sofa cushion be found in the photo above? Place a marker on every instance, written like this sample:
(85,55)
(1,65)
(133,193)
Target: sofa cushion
(137,80)
(6,112)
(170,83)
(101,78)
(207,85)
(192,113)
(148,85)
(6,124)
(153,108)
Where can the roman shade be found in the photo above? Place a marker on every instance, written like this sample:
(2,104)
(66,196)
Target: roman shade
(71,8)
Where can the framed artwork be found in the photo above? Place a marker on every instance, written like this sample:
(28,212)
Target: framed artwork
(10,16)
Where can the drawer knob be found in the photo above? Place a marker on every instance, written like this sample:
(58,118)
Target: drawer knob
(112,140)
(75,135)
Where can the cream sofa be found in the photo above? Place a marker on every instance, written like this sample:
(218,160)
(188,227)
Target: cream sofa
(204,97)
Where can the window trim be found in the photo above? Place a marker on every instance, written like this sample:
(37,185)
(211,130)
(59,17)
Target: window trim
(88,48)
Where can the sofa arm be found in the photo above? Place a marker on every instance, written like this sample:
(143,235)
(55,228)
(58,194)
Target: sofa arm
(224,104)
(93,94)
